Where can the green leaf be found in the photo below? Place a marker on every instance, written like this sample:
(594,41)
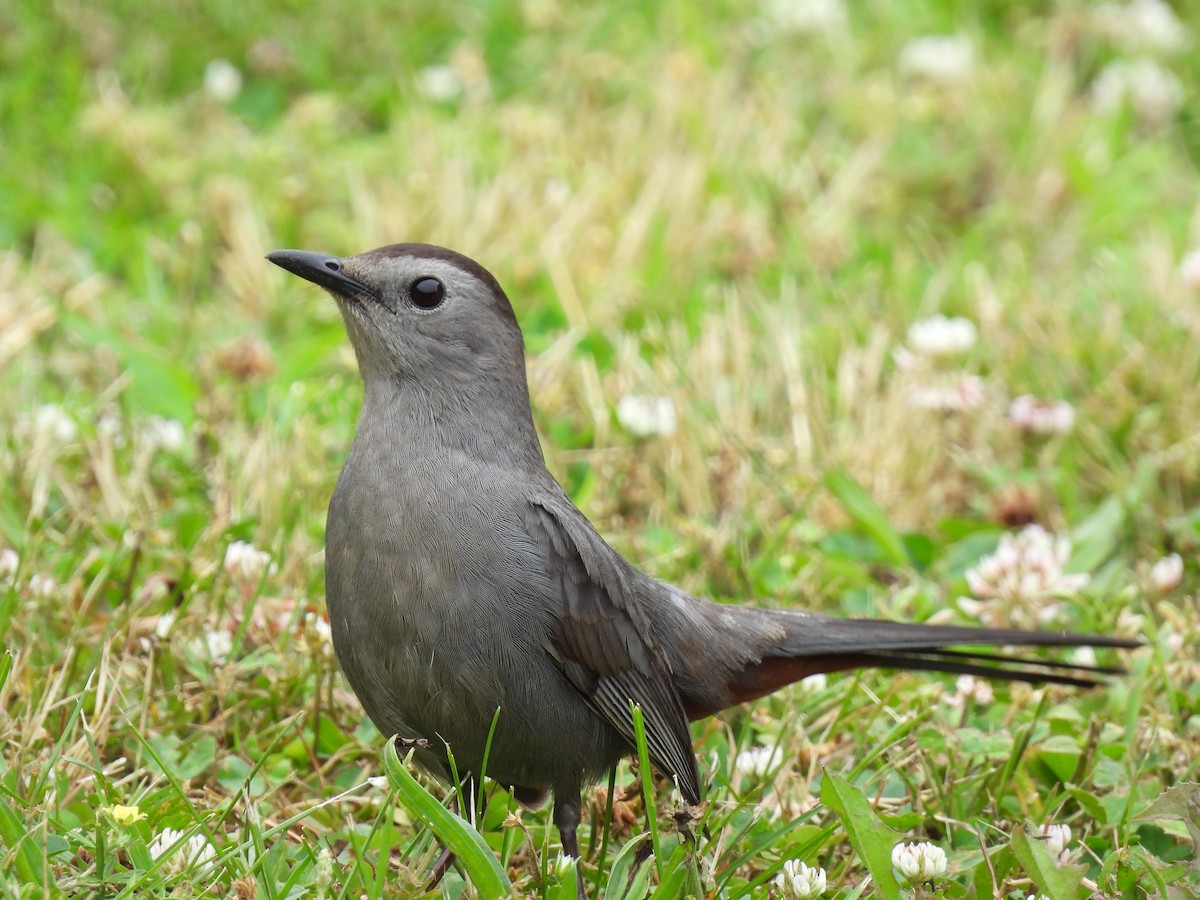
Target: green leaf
(24,853)
(1093,806)
(671,886)
(158,383)
(982,880)
(456,834)
(189,524)
(202,755)
(1181,802)
(965,553)
(871,839)
(868,516)
(623,882)
(989,744)
(1097,535)
(1060,754)
(308,356)
(234,772)
(568,887)
(330,738)
(1056,880)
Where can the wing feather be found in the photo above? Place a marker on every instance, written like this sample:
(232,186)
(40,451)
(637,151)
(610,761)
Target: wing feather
(602,639)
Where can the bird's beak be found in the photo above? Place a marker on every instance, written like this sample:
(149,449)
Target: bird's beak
(321,269)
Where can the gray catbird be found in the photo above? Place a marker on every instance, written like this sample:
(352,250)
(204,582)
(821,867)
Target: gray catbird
(461,579)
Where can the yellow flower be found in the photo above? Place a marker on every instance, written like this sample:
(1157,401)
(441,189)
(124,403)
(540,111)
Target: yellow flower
(124,815)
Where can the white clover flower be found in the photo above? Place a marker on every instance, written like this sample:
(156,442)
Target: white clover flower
(1083,656)
(946,59)
(798,880)
(806,16)
(919,861)
(9,563)
(109,426)
(222,80)
(1189,270)
(1111,87)
(164,434)
(930,341)
(756,761)
(969,688)
(906,360)
(1027,567)
(245,563)
(557,192)
(218,644)
(1153,25)
(645,416)
(815,683)
(1129,623)
(317,635)
(958,393)
(1028,413)
(1166,574)
(194,853)
(50,422)
(42,586)
(942,336)
(1149,25)
(1058,837)
(979,609)
(439,83)
(164,623)
(1153,92)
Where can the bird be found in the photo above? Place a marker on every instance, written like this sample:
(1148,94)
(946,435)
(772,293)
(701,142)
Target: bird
(461,579)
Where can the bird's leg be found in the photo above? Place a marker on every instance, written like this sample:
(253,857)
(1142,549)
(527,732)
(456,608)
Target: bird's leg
(566,819)
(446,858)
(444,861)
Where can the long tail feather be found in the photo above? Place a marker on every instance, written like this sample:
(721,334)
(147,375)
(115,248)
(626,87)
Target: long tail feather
(815,635)
(815,644)
(1031,671)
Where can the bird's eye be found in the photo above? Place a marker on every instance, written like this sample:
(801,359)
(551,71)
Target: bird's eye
(427,293)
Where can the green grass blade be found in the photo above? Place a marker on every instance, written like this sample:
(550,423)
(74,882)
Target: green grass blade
(621,871)
(476,857)
(871,839)
(1056,880)
(24,854)
(647,773)
(868,516)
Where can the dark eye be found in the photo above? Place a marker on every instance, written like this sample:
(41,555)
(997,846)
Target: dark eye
(427,293)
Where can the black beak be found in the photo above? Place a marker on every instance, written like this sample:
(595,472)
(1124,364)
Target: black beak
(321,269)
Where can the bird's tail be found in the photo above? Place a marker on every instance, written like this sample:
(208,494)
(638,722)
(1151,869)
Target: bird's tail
(803,644)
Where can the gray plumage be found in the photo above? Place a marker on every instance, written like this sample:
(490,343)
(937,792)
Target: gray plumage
(461,579)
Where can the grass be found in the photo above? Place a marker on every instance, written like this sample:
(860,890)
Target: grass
(693,202)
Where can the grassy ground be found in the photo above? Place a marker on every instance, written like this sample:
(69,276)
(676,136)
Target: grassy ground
(739,207)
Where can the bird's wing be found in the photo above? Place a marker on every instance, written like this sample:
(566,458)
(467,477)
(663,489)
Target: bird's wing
(602,641)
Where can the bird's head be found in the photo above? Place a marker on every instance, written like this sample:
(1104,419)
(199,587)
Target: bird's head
(417,311)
